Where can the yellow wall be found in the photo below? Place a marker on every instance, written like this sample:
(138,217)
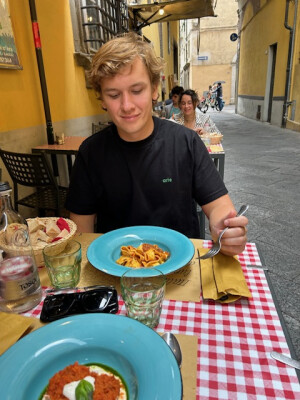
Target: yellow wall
(214,42)
(295,84)
(22,123)
(257,35)
(219,65)
(203,76)
(152,33)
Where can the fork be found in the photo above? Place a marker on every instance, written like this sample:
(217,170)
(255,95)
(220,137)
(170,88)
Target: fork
(217,245)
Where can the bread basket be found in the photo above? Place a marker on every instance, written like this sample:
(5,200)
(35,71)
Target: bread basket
(58,245)
(216,138)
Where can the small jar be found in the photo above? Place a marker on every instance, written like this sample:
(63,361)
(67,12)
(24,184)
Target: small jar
(20,288)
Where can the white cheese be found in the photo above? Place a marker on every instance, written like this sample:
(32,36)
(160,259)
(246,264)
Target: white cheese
(69,388)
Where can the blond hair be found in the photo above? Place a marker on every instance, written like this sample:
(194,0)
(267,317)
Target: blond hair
(120,52)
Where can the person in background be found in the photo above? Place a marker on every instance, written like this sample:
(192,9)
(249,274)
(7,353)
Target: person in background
(209,91)
(169,100)
(143,170)
(219,95)
(173,108)
(190,116)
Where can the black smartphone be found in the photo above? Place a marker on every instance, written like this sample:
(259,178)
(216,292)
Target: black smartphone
(101,300)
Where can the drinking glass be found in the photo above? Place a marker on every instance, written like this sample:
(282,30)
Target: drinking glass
(63,267)
(143,293)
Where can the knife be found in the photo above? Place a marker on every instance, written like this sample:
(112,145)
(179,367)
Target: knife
(257,266)
(285,359)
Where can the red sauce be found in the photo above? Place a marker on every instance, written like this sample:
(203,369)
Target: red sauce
(106,387)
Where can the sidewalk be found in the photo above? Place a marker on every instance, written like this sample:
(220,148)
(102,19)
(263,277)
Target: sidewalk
(262,169)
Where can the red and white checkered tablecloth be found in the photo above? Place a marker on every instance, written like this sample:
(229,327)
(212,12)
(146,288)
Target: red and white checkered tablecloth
(234,341)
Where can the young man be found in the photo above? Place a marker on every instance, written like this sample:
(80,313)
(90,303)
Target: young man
(173,108)
(143,170)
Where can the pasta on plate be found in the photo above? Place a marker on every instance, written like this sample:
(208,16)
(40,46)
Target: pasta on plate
(145,255)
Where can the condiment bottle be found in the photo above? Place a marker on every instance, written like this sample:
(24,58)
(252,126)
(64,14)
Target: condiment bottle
(20,288)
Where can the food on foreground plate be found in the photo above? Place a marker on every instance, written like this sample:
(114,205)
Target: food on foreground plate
(90,382)
(145,255)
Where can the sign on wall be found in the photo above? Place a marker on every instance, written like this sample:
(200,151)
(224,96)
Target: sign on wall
(8,51)
(202,58)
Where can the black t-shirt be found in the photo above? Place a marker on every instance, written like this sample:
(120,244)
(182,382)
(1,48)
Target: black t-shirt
(155,181)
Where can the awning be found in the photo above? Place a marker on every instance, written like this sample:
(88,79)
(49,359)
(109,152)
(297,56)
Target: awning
(143,15)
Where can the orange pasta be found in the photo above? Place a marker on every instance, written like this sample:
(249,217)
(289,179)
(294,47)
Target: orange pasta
(145,255)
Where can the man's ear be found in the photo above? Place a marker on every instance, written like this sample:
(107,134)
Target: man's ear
(155,94)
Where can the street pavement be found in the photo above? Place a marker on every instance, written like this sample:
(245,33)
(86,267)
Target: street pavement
(262,169)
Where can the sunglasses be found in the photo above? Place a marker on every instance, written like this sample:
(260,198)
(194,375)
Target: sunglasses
(101,300)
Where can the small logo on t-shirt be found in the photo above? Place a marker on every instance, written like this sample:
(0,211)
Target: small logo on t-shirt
(167,180)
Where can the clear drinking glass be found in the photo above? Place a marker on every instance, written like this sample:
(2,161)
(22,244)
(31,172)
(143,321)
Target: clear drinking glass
(63,267)
(143,295)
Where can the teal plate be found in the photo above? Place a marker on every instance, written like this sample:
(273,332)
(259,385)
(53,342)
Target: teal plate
(135,351)
(105,250)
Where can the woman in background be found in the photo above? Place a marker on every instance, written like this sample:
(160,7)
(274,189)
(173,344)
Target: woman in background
(191,117)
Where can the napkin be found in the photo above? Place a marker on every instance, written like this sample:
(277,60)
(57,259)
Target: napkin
(222,278)
(13,327)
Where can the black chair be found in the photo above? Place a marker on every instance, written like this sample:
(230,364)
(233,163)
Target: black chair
(201,219)
(33,170)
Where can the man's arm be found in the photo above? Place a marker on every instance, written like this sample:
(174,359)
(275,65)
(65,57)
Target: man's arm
(85,223)
(221,213)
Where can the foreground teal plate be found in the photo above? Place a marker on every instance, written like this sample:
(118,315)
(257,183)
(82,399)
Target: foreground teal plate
(137,352)
(105,250)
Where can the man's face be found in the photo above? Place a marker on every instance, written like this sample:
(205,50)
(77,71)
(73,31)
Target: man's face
(128,99)
(175,99)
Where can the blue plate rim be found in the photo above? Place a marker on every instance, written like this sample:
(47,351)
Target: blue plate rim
(12,355)
(112,268)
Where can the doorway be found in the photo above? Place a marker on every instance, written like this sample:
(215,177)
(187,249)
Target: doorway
(268,101)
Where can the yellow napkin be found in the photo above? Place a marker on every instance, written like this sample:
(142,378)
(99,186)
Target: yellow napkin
(13,327)
(222,278)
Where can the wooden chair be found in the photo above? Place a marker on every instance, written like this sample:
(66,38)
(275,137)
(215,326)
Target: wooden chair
(33,170)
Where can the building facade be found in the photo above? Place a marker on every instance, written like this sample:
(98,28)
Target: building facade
(207,54)
(268,61)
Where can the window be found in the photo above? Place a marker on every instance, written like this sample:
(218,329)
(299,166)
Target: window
(96,21)
(101,20)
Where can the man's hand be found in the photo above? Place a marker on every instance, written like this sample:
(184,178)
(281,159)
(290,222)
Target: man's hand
(221,213)
(235,238)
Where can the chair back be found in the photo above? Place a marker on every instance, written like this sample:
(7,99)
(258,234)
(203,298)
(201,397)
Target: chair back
(28,169)
(33,170)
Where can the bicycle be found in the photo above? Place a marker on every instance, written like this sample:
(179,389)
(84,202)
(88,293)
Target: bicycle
(208,101)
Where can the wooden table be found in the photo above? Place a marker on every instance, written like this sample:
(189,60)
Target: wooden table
(234,340)
(69,148)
